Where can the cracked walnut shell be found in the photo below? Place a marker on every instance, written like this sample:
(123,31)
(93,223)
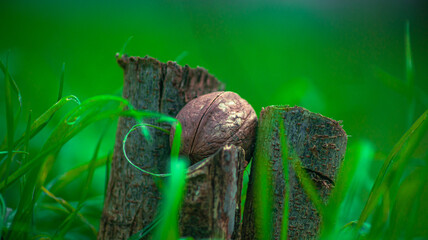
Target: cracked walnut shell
(213,120)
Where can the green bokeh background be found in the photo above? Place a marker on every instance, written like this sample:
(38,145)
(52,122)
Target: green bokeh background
(316,54)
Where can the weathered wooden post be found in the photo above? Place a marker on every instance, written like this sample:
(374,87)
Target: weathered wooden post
(211,207)
(132,198)
(320,143)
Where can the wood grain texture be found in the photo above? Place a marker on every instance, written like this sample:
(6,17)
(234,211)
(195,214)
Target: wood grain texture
(320,143)
(212,205)
(132,198)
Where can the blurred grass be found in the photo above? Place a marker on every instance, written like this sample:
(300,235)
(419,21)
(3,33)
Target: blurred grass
(329,58)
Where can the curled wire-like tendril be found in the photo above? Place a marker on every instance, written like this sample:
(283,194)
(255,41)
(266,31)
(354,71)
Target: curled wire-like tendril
(146,134)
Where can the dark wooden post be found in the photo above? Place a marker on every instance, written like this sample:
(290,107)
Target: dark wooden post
(132,198)
(320,143)
(212,205)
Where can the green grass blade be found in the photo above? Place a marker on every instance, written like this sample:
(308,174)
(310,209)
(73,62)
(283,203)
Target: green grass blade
(59,183)
(13,83)
(398,192)
(176,142)
(263,173)
(26,148)
(401,87)
(264,215)
(181,57)
(67,223)
(43,119)
(42,237)
(147,229)
(70,210)
(341,202)
(245,181)
(125,45)
(15,88)
(67,206)
(392,82)
(168,226)
(18,152)
(380,186)
(92,166)
(27,137)
(14,176)
(2,214)
(406,204)
(307,184)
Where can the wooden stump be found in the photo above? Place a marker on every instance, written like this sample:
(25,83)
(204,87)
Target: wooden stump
(320,143)
(212,205)
(132,198)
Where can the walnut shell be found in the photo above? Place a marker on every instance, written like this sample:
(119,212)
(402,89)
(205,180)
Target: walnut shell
(213,120)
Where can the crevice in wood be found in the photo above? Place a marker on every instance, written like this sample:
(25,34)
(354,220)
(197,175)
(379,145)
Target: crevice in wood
(316,176)
(161,83)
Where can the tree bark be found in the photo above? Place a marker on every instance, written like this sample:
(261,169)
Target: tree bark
(132,198)
(320,143)
(212,205)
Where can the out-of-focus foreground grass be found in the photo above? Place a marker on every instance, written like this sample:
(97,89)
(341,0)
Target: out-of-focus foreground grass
(349,61)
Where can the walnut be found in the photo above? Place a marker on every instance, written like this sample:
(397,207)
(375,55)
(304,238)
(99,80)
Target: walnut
(213,120)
